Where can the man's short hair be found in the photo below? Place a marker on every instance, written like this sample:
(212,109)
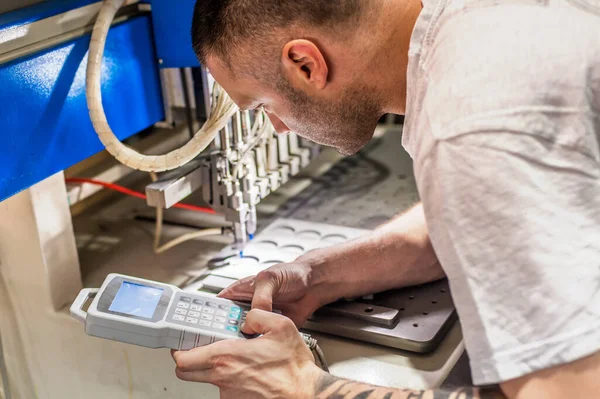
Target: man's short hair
(220,26)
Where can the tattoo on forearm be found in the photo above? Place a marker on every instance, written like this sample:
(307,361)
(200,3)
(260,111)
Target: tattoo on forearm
(330,387)
(364,395)
(337,394)
(325,382)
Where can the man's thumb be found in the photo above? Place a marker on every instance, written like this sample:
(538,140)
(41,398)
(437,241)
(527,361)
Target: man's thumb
(259,322)
(265,287)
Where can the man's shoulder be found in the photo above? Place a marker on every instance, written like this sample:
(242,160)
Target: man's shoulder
(510,68)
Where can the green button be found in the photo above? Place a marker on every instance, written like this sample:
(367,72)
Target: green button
(232,328)
(235,316)
(236,309)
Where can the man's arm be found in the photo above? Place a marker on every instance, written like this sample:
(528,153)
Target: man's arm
(280,365)
(397,254)
(578,379)
(330,387)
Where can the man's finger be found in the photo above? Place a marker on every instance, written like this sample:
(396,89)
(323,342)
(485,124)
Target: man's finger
(265,287)
(194,376)
(203,357)
(241,289)
(262,322)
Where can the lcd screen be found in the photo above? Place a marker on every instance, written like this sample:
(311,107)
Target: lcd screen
(136,300)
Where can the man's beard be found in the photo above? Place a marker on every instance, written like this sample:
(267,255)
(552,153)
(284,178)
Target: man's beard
(347,124)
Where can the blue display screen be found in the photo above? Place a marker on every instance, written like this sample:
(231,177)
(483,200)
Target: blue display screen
(136,300)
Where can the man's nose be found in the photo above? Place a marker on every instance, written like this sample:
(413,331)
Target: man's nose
(279,126)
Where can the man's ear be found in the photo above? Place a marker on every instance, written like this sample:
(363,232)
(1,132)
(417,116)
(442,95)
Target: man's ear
(304,65)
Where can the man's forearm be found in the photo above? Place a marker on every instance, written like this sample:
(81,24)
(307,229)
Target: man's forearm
(397,254)
(330,387)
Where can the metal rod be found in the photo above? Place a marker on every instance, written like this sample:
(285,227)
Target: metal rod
(126,13)
(187,101)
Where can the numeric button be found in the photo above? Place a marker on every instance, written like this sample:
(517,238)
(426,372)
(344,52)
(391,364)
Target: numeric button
(183,305)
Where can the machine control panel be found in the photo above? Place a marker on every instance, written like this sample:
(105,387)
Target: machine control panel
(157,315)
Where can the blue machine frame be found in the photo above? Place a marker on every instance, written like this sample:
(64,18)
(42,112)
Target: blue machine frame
(172,26)
(44,123)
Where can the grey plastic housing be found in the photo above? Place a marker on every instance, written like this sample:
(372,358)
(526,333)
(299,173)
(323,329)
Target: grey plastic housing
(160,331)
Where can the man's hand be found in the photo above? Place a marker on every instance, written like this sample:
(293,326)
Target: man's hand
(290,286)
(395,255)
(277,365)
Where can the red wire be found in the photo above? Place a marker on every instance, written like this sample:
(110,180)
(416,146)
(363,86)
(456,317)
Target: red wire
(125,190)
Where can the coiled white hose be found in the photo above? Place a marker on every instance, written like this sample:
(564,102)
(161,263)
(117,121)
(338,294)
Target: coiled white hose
(222,109)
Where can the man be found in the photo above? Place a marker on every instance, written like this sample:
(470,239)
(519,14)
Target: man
(502,104)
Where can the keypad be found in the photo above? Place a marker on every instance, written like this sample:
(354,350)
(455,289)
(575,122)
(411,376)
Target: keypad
(207,314)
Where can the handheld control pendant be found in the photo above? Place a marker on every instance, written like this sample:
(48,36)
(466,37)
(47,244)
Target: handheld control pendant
(156,315)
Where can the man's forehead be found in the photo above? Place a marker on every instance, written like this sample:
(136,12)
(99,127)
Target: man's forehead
(239,88)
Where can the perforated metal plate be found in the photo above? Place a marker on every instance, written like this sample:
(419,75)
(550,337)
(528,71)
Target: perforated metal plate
(425,314)
(413,319)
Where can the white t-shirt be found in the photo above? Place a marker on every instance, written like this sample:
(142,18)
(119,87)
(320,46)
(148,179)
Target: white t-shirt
(503,124)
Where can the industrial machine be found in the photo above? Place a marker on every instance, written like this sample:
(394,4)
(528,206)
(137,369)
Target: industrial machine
(80,76)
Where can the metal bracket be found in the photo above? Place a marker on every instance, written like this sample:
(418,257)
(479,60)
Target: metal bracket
(174,186)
